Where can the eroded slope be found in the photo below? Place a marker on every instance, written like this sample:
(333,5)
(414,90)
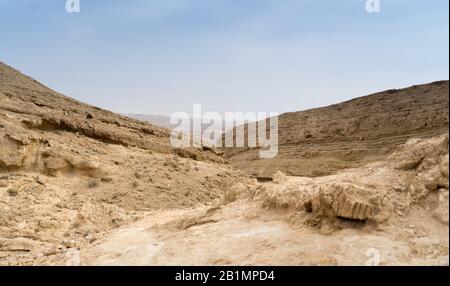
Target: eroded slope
(69,171)
(321,141)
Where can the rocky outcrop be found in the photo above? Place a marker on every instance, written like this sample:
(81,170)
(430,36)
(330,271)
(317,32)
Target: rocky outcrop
(342,200)
(372,193)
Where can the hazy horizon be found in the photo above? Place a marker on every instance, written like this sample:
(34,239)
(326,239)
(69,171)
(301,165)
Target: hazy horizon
(162,56)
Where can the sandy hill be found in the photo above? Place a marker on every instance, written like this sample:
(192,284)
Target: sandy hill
(320,141)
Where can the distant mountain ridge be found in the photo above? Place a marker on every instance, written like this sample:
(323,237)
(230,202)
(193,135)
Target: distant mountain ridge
(158,120)
(164,121)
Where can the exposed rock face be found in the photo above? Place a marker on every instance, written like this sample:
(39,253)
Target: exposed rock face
(320,141)
(39,108)
(342,201)
(374,192)
(410,155)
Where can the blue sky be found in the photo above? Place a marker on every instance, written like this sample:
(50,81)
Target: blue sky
(162,56)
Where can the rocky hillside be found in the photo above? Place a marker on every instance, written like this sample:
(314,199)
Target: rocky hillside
(70,171)
(320,141)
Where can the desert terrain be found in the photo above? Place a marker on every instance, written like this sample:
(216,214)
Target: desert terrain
(320,141)
(364,182)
